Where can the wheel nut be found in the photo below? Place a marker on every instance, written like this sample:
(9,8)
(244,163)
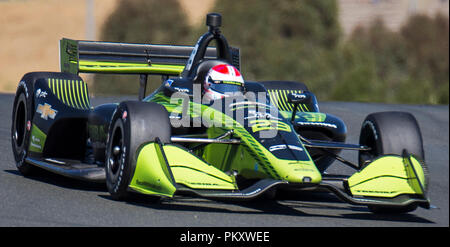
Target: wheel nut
(116,150)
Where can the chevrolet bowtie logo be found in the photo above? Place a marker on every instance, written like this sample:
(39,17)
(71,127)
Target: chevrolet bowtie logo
(46,111)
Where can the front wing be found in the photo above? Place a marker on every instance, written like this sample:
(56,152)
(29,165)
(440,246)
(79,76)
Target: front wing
(169,170)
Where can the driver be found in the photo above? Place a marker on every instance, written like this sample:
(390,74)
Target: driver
(221,81)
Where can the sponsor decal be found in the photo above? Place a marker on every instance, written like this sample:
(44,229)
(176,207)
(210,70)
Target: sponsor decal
(36,142)
(313,116)
(264,124)
(169,83)
(35,139)
(260,115)
(317,124)
(375,191)
(182,90)
(124,115)
(283,146)
(304,170)
(298,95)
(41,93)
(277,147)
(28,125)
(46,111)
(39,147)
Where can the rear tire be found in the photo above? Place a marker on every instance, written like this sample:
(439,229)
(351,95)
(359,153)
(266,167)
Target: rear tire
(391,133)
(133,124)
(21,127)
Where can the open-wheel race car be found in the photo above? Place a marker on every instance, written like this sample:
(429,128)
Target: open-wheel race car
(205,131)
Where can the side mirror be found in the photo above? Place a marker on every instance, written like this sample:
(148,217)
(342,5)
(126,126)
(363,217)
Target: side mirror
(298,98)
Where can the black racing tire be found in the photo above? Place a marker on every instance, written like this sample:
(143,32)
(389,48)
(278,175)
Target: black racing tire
(391,133)
(133,124)
(21,127)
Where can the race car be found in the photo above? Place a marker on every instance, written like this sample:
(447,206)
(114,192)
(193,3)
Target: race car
(206,132)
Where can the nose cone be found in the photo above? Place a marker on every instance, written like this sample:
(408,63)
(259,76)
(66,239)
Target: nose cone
(298,171)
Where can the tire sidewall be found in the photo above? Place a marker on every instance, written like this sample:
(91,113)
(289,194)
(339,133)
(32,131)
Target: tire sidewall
(369,131)
(117,183)
(389,138)
(24,94)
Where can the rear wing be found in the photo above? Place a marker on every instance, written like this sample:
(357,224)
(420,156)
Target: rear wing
(127,58)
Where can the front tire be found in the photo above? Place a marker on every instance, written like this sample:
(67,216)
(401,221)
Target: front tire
(391,133)
(133,124)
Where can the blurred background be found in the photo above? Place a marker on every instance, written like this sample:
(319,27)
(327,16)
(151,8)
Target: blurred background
(392,51)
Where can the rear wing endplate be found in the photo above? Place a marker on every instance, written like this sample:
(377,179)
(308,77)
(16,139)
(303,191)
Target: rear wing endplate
(126,58)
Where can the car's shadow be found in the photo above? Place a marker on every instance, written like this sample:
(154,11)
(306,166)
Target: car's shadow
(61,181)
(300,204)
(304,204)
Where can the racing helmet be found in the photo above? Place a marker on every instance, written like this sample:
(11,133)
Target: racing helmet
(221,81)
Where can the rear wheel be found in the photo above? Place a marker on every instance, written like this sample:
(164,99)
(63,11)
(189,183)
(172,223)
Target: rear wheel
(133,124)
(391,133)
(20,129)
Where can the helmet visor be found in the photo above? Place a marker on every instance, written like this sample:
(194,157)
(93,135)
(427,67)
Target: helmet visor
(226,86)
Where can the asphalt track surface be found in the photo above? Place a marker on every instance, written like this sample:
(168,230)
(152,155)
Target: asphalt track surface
(53,200)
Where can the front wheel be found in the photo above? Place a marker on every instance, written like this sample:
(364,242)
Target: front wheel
(391,133)
(133,124)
